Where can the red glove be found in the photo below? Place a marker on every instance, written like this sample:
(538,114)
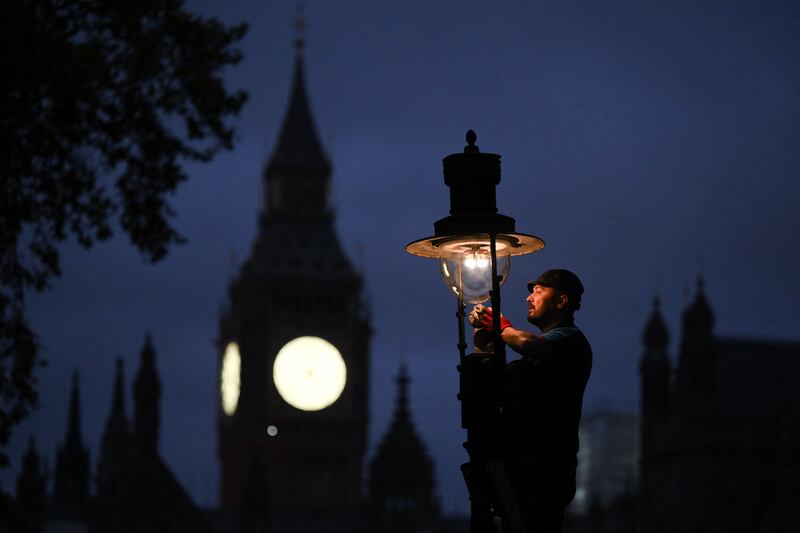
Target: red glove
(486,321)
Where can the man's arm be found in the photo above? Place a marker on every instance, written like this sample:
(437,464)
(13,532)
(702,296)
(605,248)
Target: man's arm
(525,343)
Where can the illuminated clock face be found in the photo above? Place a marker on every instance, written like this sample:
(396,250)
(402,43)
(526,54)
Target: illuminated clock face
(230,378)
(309,373)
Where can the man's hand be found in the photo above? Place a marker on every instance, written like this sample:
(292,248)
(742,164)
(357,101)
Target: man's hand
(475,316)
(481,318)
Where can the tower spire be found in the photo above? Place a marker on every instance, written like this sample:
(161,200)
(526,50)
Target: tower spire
(31,491)
(298,147)
(402,471)
(698,318)
(73,435)
(655,335)
(655,369)
(147,397)
(117,417)
(696,361)
(297,174)
(71,485)
(402,390)
(115,443)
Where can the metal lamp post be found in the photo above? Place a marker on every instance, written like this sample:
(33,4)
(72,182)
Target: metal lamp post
(474,245)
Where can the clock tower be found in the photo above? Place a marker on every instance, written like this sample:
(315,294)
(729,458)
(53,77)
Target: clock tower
(294,351)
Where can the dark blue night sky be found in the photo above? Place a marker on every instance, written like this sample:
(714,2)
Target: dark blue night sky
(646,142)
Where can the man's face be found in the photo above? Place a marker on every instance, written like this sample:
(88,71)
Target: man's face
(542,305)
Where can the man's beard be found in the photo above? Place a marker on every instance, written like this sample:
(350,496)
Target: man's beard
(535,320)
(542,319)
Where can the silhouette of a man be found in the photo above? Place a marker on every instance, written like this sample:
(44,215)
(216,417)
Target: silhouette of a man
(542,398)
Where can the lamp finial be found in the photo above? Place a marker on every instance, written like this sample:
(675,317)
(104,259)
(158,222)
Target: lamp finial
(471,147)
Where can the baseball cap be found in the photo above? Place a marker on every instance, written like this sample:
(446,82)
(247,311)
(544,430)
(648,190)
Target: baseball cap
(560,279)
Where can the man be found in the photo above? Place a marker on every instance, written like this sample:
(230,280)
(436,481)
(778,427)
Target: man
(543,395)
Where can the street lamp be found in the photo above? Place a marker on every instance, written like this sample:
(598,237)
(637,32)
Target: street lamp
(463,240)
(474,246)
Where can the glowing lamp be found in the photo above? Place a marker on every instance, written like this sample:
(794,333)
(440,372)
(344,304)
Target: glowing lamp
(466,265)
(463,241)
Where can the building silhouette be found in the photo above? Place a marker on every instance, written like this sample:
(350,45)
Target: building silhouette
(402,487)
(719,442)
(136,490)
(286,466)
(720,434)
(288,462)
(31,501)
(132,491)
(71,484)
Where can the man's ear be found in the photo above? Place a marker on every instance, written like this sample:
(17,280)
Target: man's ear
(562,301)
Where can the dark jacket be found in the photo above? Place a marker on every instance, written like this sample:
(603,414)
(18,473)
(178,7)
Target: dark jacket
(542,409)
